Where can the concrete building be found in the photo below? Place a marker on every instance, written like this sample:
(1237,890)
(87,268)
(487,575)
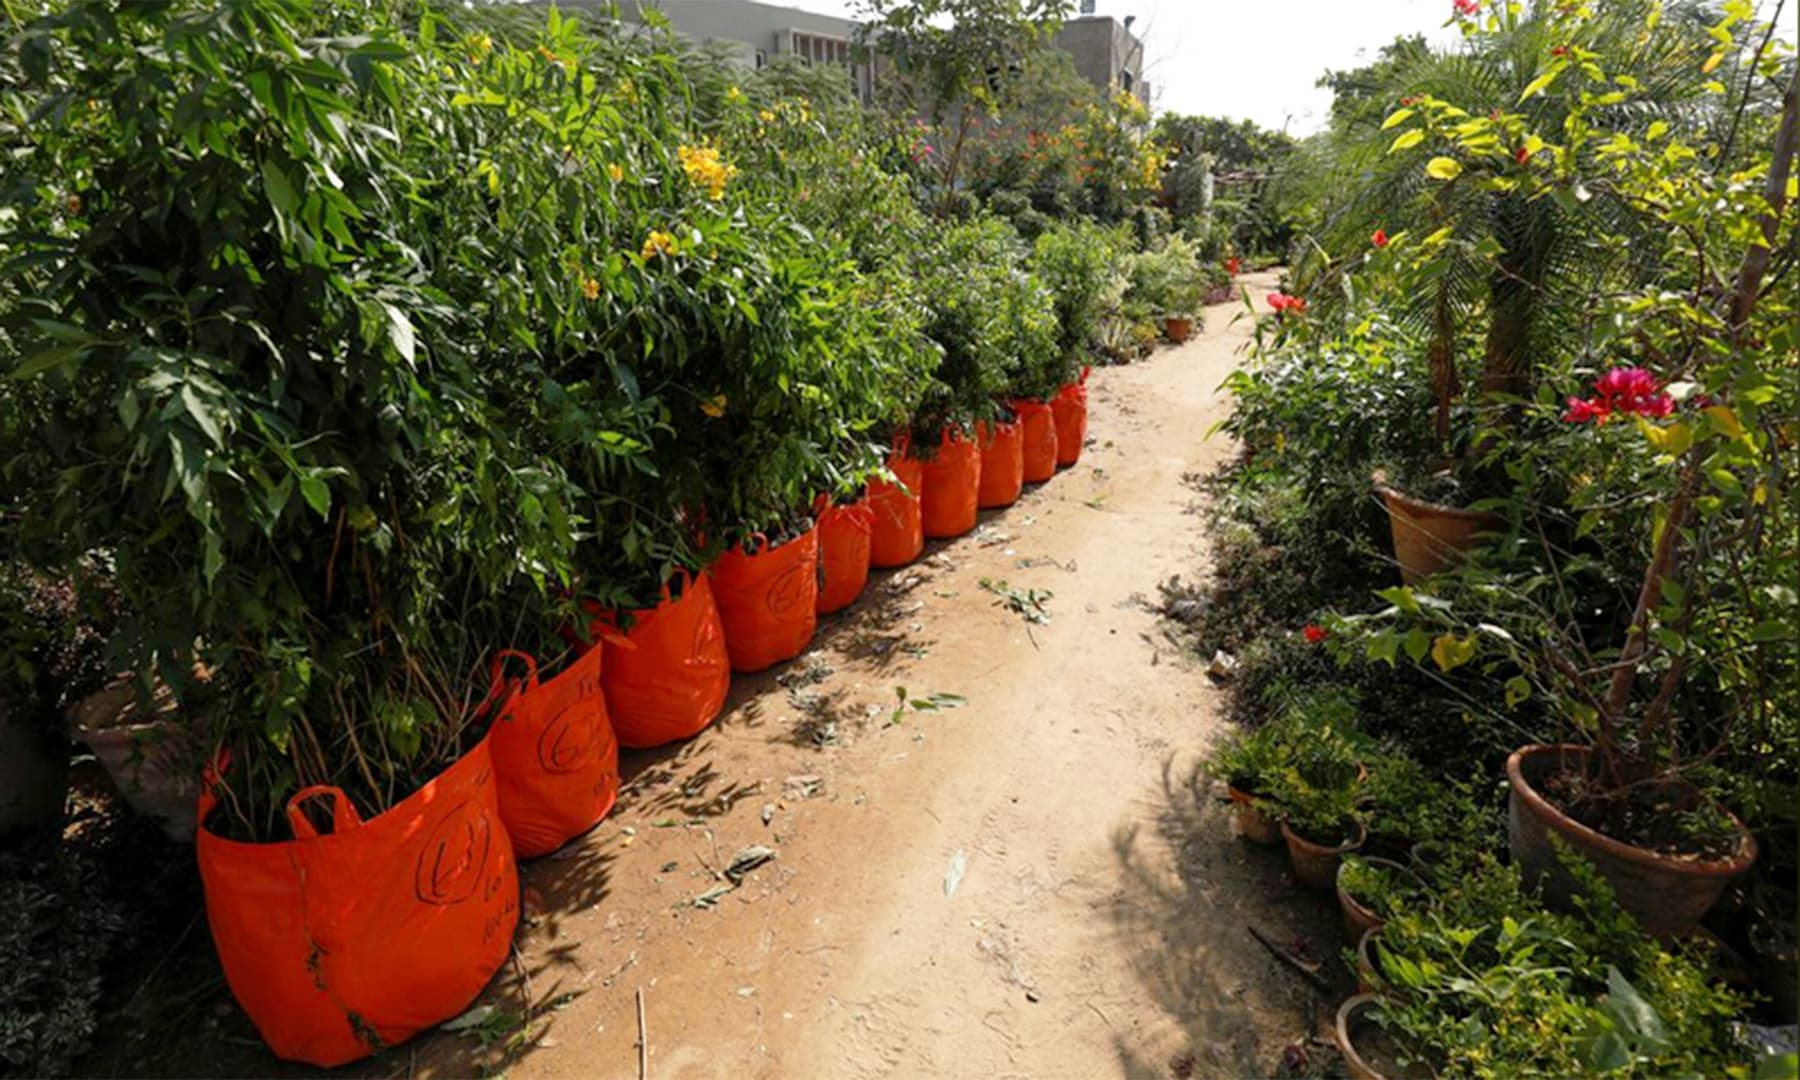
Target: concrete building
(1106,53)
(759,34)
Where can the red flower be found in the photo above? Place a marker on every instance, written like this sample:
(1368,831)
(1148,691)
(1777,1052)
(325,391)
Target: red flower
(1314,633)
(1467,8)
(1560,50)
(1409,101)
(1380,239)
(1625,390)
(1232,264)
(1522,155)
(1283,303)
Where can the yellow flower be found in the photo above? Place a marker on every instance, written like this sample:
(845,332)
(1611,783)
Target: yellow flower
(658,243)
(734,95)
(714,407)
(590,289)
(765,116)
(479,46)
(616,172)
(705,169)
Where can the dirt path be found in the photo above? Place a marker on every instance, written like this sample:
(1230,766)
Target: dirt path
(1098,925)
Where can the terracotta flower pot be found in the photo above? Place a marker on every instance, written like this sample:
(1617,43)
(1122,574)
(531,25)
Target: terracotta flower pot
(1368,976)
(1359,919)
(1178,328)
(1316,865)
(1429,537)
(1668,894)
(1369,1053)
(151,761)
(1252,824)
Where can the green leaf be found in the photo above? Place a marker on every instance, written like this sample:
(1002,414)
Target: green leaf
(1443,168)
(317,495)
(53,357)
(1450,652)
(400,332)
(1396,118)
(279,188)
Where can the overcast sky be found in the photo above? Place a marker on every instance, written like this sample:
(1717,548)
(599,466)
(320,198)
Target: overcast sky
(1254,59)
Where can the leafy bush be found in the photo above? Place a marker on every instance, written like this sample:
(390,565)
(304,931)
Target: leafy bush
(61,931)
(984,312)
(1077,262)
(1166,280)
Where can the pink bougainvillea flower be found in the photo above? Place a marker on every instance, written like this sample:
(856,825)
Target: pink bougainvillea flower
(1622,390)
(1315,633)
(1380,239)
(1467,8)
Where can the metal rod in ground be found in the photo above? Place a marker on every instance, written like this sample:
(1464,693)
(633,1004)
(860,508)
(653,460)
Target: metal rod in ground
(643,1039)
(1292,961)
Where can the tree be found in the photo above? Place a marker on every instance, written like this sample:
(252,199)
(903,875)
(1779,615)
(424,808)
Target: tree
(954,62)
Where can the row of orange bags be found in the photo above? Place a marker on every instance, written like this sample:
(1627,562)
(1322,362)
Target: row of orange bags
(340,943)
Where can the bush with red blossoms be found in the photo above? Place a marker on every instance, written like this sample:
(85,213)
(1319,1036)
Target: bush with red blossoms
(1283,303)
(1630,390)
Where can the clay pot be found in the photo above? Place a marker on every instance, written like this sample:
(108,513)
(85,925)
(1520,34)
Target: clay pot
(1429,537)
(151,761)
(1358,919)
(1668,895)
(1367,975)
(1316,865)
(1354,1032)
(1178,328)
(1252,824)
(33,781)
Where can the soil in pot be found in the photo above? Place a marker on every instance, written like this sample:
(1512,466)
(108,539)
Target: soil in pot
(1252,824)
(1370,1052)
(1666,881)
(1316,864)
(1429,537)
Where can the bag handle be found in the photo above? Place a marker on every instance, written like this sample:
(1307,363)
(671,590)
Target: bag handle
(210,777)
(1086,370)
(343,815)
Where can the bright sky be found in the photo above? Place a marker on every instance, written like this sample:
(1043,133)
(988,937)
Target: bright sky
(1252,60)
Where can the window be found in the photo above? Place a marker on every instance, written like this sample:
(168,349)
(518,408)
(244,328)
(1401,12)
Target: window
(818,49)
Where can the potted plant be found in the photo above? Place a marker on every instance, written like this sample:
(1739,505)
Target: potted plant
(53,635)
(1368,890)
(1321,824)
(1248,763)
(1370,1050)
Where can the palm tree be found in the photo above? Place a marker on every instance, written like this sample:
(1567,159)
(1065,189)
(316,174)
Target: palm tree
(1512,247)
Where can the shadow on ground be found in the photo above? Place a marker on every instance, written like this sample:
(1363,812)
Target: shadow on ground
(1191,891)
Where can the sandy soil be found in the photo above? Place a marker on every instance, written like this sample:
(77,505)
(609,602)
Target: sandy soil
(1098,926)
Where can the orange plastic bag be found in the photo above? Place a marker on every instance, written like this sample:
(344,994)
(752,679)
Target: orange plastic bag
(768,600)
(674,678)
(897,533)
(339,945)
(845,535)
(1002,463)
(555,757)
(1070,409)
(1038,424)
(949,504)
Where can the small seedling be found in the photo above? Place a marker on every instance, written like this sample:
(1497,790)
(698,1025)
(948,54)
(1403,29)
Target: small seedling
(933,703)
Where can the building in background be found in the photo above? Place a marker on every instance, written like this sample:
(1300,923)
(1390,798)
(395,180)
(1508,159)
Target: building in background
(1106,52)
(757,34)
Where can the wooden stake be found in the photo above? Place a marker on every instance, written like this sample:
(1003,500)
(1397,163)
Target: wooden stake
(1288,958)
